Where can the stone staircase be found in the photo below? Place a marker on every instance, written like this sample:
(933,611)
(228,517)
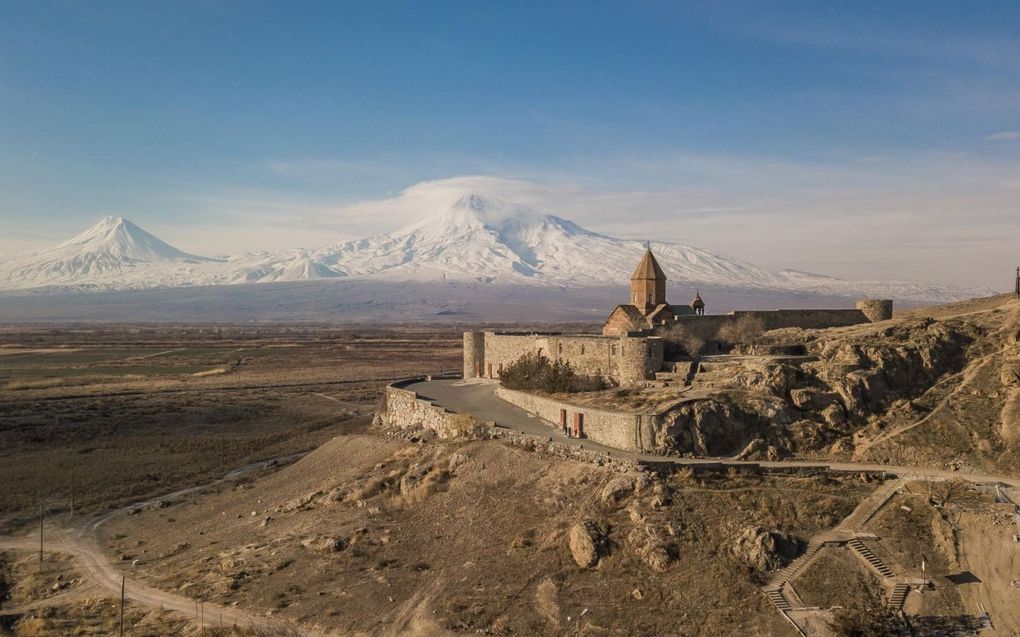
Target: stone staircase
(898,596)
(873,560)
(794,567)
(778,599)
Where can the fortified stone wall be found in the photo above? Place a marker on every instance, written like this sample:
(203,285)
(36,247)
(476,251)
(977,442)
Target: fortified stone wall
(707,327)
(621,430)
(625,360)
(591,355)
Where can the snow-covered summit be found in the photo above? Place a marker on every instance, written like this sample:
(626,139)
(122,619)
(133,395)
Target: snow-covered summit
(478,239)
(120,239)
(108,250)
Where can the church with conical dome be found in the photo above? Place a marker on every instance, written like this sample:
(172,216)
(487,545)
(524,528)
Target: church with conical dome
(648,307)
(632,347)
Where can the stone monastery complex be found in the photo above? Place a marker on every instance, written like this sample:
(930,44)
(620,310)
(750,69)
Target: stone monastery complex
(632,346)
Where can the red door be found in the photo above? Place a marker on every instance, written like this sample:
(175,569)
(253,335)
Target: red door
(578,429)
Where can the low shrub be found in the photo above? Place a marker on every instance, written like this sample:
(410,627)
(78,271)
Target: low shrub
(532,372)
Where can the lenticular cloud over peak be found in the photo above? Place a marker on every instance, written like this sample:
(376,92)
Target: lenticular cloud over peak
(476,238)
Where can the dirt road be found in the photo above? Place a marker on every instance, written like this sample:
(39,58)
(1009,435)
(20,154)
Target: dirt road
(482,401)
(80,543)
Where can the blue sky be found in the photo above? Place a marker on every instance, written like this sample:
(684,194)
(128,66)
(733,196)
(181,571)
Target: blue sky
(867,140)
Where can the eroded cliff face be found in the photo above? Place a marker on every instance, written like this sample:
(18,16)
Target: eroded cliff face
(766,409)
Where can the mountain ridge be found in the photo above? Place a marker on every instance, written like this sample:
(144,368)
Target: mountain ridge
(477,239)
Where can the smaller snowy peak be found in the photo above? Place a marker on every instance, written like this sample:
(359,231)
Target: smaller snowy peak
(120,239)
(104,253)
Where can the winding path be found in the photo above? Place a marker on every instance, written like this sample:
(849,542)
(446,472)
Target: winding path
(81,544)
(477,398)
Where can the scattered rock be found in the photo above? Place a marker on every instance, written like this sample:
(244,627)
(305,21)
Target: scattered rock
(325,544)
(456,459)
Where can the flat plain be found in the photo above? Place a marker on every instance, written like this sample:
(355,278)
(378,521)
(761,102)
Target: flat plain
(115,414)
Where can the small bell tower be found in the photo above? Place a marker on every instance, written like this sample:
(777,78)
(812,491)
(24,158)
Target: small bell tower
(697,304)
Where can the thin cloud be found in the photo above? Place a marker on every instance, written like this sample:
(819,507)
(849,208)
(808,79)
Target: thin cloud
(1004,136)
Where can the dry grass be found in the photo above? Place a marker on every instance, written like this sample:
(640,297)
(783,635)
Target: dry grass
(473,537)
(837,578)
(120,414)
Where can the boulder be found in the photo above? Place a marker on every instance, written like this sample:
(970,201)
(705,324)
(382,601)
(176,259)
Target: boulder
(808,398)
(649,544)
(617,489)
(325,544)
(587,543)
(765,550)
(456,459)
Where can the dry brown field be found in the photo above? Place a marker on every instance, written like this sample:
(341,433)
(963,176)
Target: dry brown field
(115,414)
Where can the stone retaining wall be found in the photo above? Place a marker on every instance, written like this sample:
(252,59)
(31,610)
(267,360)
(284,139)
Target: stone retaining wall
(406,410)
(563,450)
(621,430)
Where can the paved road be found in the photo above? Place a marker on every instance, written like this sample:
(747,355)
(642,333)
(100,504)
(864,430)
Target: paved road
(479,399)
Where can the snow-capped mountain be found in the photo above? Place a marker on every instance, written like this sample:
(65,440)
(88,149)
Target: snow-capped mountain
(113,250)
(492,241)
(478,239)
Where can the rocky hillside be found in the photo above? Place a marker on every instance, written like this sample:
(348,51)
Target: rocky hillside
(385,536)
(939,384)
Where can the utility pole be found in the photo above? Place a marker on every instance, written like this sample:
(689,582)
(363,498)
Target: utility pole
(40,534)
(1017,290)
(123,582)
(74,470)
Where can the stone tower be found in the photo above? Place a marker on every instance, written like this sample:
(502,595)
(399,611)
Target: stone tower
(876,310)
(648,284)
(474,355)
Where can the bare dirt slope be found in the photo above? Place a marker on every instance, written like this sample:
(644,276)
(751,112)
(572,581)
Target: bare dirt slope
(370,535)
(971,416)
